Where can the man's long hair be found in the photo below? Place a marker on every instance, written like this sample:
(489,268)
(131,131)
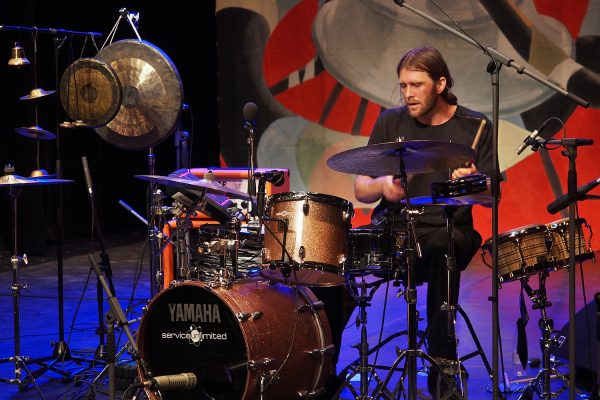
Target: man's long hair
(429,60)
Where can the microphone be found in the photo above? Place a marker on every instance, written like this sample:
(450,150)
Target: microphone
(562,201)
(277,178)
(249,112)
(185,380)
(529,139)
(88,177)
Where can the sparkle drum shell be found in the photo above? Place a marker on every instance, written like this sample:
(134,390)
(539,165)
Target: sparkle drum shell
(316,237)
(230,336)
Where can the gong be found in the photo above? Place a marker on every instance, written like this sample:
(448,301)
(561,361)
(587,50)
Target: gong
(90,91)
(152,95)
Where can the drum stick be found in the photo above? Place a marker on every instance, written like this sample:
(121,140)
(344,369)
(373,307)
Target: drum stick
(476,140)
(478,134)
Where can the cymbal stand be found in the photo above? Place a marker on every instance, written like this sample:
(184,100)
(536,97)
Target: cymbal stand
(412,352)
(541,383)
(449,308)
(363,296)
(23,375)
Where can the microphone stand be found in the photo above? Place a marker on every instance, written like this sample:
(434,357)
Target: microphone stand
(497,60)
(104,262)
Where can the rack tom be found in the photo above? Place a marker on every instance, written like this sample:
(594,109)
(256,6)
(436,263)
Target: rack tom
(305,238)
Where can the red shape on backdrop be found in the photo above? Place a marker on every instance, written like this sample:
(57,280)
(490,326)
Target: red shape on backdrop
(570,13)
(290,46)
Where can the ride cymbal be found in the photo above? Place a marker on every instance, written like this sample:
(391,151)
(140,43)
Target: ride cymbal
(419,156)
(90,92)
(152,95)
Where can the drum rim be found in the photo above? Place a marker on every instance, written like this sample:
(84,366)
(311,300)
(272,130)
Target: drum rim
(564,222)
(508,236)
(314,196)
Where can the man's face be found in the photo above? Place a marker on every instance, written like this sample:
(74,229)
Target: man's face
(419,92)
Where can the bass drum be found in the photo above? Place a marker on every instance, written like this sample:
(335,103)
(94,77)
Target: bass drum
(231,337)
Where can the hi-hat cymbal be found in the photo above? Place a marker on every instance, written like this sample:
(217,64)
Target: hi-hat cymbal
(201,184)
(36,94)
(468,200)
(419,156)
(35,132)
(90,92)
(17,180)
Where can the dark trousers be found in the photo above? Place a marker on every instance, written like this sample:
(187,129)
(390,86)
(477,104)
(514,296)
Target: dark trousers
(432,268)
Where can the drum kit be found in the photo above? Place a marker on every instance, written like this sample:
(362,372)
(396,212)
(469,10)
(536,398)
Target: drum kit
(260,331)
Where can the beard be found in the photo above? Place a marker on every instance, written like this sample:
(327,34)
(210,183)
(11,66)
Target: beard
(427,105)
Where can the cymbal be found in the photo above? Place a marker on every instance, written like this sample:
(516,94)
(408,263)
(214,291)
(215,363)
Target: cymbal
(419,156)
(201,184)
(17,180)
(90,92)
(35,132)
(36,94)
(152,95)
(468,200)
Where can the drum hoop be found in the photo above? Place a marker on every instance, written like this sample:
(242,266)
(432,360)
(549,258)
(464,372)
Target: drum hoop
(564,222)
(313,196)
(510,236)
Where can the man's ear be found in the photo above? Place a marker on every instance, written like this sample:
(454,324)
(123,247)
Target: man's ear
(441,84)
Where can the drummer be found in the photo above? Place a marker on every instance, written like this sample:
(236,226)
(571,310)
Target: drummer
(430,111)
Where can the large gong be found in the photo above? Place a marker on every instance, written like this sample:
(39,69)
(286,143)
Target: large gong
(152,95)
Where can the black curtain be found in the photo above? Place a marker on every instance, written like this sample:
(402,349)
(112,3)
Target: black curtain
(185,31)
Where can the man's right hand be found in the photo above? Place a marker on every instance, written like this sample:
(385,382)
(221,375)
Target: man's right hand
(370,190)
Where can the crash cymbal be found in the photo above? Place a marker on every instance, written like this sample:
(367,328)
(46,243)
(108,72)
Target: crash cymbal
(17,180)
(419,156)
(152,95)
(35,132)
(201,184)
(36,94)
(90,92)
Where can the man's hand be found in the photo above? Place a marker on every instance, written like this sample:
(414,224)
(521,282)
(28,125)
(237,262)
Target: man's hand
(464,171)
(392,191)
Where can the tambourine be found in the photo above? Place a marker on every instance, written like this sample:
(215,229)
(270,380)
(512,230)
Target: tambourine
(464,186)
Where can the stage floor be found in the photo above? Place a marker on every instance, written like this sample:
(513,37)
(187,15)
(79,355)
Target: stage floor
(40,327)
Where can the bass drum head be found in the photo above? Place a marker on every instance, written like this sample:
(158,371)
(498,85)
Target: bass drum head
(190,329)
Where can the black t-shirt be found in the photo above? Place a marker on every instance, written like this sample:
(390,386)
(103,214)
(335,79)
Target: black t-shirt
(397,125)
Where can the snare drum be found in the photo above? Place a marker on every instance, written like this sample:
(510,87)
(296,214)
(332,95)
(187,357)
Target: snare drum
(521,252)
(315,230)
(559,231)
(231,337)
(370,250)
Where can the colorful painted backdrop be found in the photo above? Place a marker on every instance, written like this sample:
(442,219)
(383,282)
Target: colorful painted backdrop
(321,72)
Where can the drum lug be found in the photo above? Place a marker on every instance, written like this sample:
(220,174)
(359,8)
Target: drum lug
(317,305)
(245,316)
(325,350)
(253,365)
(301,253)
(307,395)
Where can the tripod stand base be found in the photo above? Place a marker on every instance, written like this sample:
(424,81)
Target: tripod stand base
(22,364)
